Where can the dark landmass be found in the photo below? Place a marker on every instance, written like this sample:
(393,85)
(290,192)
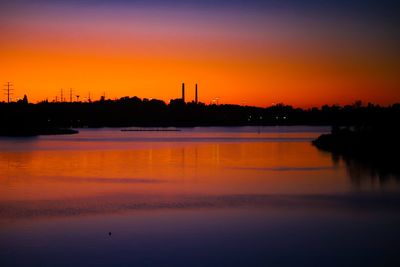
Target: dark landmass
(371,150)
(361,142)
(133,111)
(34,131)
(150,130)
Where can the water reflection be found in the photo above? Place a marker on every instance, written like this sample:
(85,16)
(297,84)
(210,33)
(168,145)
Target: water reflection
(109,204)
(57,173)
(228,197)
(363,171)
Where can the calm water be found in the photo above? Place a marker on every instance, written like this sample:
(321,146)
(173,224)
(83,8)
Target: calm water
(245,196)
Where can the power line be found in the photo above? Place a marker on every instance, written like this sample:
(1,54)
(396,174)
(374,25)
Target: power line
(8,90)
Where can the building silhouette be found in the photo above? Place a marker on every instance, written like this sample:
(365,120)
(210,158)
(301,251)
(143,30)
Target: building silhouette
(183,92)
(196,99)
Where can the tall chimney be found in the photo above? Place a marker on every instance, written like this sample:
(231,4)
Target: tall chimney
(196,96)
(183,92)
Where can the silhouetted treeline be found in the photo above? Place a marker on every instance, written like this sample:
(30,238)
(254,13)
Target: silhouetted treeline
(367,148)
(133,111)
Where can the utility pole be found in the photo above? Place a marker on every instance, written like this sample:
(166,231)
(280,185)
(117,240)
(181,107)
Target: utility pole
(89,100)
(70,95)
(62,97)
(8,90)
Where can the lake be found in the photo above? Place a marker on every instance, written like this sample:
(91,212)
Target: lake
(217,196)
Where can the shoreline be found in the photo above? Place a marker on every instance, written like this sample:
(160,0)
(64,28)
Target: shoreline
(32,132)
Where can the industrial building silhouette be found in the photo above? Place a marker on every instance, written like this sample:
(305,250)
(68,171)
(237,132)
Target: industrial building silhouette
(196,96)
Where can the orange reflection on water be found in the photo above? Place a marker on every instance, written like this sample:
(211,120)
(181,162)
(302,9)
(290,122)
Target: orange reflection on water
(168,169)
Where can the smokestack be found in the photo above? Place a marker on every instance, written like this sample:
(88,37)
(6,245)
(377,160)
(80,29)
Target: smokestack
(183,92)
(196,96)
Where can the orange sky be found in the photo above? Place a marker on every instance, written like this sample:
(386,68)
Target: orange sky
(242,58)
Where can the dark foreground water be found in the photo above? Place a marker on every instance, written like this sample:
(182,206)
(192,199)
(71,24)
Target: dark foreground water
(200,197)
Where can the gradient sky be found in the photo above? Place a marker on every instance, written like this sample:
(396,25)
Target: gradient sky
(303,53)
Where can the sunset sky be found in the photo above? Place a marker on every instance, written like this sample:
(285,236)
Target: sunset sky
(303,53)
